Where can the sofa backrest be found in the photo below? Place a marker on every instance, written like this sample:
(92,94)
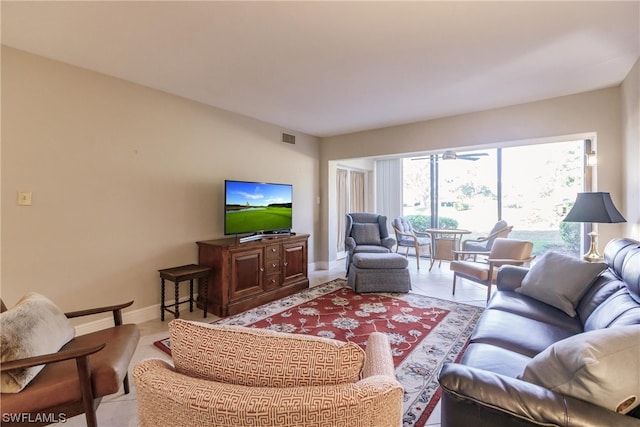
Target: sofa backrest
(614,297)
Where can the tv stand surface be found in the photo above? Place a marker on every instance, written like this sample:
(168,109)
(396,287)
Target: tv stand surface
(250,238)
(260,236)
(247,274)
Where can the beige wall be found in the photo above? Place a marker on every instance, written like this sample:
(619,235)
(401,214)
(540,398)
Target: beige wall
(631,141)
(125,180)
(594,114)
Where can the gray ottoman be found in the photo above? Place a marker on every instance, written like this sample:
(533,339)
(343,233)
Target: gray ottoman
(377,272)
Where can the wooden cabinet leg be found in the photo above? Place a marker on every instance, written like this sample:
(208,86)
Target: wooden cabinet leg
(162,301)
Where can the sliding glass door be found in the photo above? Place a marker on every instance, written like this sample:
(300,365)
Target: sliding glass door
(530,187)
(468,191)
(539,185)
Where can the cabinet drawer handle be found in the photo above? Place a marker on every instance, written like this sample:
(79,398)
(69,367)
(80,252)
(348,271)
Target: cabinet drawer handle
(261,268)
(273,249)
(286,263)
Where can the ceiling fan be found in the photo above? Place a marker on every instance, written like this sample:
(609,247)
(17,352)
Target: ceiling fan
(452,155)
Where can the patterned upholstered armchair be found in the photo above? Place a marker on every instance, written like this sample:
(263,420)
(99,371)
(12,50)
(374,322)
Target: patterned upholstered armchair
(233,376)
(367,232)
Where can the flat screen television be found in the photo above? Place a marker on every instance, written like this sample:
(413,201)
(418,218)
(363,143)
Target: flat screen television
(257,207)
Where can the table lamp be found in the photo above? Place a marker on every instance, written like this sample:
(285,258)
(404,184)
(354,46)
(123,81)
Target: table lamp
(595,208)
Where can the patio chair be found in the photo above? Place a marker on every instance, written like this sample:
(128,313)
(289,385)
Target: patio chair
(408,238)
(484,244)
(503,252)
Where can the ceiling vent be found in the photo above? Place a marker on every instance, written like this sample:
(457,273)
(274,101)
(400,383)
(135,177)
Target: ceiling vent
(288,138)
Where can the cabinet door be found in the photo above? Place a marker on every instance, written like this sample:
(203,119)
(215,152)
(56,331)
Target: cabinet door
(294,261)
(246,273)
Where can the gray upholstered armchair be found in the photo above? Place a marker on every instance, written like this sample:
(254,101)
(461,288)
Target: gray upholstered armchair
(367,232)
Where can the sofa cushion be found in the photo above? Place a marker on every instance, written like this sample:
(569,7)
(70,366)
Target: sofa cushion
(522,305)
(366,234)
(560,280)
(616,251)
(631,274)
(261,357)
(371,249)
(618,310)
(605,285)
(494,359)
(517,333)
(33,327)
(600,366)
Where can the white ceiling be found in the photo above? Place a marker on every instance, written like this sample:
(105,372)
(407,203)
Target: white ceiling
(328,68)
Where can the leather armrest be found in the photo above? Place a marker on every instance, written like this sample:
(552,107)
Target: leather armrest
(51,358)
(523,400)
(510,277)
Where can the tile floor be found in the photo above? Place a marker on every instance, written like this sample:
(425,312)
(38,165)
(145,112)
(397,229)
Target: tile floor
(119,410)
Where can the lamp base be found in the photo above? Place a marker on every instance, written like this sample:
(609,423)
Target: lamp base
(593,255)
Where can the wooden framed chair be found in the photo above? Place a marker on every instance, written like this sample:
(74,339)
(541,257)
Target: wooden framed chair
(482,245)
(408,237)
(76,378)
(503,252)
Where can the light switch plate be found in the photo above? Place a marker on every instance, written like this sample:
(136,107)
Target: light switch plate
(24,198)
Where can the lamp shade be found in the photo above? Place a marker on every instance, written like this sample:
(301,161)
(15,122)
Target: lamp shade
(594,207)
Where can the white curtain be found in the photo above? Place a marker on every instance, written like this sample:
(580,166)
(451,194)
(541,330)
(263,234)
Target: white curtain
(356,193)
(343,198)
(389,188)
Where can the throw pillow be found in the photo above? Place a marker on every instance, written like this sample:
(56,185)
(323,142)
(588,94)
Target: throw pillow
(260,357)
(600,366)
(33,327)
(560,280)
(366,234)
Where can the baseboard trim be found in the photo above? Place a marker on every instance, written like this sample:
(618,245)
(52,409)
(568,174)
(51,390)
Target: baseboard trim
(324,265)
(152,312)
(140,315)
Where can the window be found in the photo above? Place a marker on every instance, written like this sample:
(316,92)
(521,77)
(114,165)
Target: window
(539,185)
(531,187)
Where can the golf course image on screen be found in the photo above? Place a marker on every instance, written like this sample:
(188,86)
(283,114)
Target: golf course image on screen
(253,207)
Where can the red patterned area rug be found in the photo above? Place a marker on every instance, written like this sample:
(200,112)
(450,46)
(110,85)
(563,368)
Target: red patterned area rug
(424,332)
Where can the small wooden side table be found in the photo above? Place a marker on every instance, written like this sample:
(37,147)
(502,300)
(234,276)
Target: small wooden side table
(181,274)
